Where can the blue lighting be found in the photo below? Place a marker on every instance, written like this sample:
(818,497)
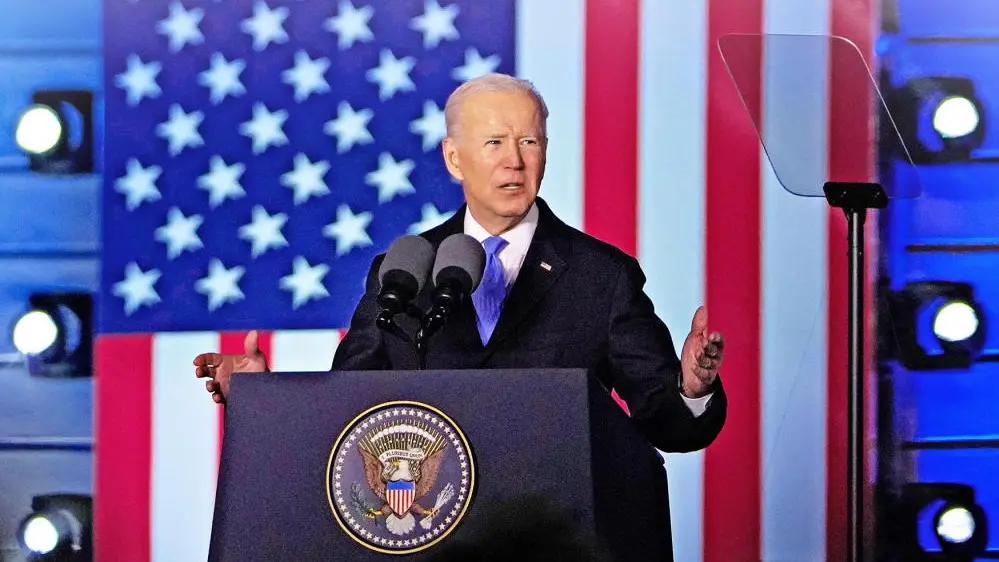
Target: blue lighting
(939,70)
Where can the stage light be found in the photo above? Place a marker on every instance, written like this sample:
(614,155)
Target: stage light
(38,130)
(954,524)
(34,332)
(937,325)
(955,321)
(58,529)
(56,132)
(941,119)
(956,117)
(40,535)
(55,334)
(940,522)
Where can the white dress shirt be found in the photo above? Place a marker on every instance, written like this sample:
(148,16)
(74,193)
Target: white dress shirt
(518,241)
(512,257)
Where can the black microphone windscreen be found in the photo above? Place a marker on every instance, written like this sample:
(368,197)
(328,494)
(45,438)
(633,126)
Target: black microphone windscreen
(461,259)
(407,263)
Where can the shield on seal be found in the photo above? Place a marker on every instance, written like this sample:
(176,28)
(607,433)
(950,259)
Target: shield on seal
(400,495)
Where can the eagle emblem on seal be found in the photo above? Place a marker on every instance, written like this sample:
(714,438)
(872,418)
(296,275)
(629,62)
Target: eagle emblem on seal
(401,464)
(401,477)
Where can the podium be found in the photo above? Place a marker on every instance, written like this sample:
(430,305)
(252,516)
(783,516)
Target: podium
(398,465)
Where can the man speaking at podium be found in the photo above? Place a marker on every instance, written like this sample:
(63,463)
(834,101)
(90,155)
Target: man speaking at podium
(550,296)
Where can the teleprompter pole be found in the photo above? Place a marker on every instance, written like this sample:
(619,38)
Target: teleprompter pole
(855,199)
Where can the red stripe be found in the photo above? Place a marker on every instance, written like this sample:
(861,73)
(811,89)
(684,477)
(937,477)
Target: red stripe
(123,443)
(610,178)
(233,342)
(851,140)
(610,121)
(732,481)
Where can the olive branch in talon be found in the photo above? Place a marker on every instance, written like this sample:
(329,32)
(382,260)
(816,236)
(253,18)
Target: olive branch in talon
(364,509)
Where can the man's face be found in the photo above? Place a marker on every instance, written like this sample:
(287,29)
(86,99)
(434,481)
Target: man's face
(498,154)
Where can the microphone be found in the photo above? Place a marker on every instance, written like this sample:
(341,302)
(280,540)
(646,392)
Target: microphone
(402,275)
(457,272)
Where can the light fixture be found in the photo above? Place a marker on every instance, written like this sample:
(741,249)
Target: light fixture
(938,325)
(955,117)
(38,129)
(955,321)
(940,522)
(34,332)
(954,524)
(941,119)
(56,335)
(57,132)
(58,529)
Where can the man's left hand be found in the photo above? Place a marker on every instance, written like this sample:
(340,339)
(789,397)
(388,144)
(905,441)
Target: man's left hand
(701,356)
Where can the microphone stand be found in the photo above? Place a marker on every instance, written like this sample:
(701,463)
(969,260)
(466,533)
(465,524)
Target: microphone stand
(386,322)
(446,299)
(421,347)
(430,323)
(393,303)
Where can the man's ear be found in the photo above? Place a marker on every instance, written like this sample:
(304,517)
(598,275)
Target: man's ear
(450,149)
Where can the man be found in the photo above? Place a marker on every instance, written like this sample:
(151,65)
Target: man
(551,296)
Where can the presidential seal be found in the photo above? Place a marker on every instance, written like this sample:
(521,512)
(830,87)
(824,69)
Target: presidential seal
(400,477)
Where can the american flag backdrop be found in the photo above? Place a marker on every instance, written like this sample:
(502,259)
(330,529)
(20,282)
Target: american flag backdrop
(259,154)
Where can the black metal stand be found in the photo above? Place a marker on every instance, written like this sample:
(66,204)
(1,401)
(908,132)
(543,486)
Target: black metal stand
(431,321)
(446,299)
(855,199)
(421,347)
(386,322)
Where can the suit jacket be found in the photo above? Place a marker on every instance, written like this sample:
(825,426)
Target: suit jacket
(586,309)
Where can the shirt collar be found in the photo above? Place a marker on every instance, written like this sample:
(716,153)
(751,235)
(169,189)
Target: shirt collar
(518,238)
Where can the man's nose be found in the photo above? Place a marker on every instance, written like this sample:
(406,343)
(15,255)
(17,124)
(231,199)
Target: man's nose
(512,157)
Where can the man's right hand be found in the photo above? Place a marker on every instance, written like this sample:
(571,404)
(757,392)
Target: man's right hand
(219,367)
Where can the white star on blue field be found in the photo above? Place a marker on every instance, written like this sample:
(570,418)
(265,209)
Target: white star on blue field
(260,154)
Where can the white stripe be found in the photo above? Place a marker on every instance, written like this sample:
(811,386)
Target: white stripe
(184,450)
(303,350)
(671,175)
(794,262)
(550,49)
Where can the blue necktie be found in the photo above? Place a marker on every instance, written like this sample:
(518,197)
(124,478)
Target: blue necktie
(488,297)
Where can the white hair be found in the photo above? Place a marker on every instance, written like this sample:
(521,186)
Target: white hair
(493,82)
